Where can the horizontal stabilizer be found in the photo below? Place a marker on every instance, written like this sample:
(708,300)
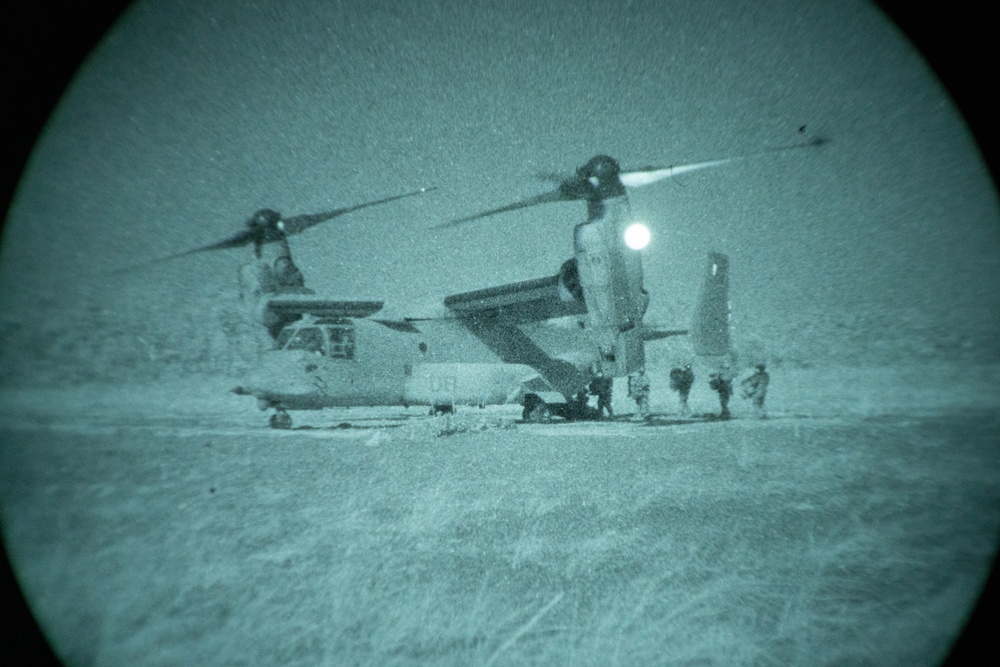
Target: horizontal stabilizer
(654,333)
(291,305)
(518,303)
(710,329)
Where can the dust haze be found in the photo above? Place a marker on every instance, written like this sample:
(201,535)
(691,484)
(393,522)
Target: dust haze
(864,270)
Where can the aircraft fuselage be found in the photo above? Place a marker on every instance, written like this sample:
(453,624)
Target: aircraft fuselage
(345,362)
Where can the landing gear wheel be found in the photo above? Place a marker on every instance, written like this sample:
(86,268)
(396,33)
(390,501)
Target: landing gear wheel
(281,420)
(539,414)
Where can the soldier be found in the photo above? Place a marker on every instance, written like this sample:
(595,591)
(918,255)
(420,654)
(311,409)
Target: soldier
(755,388)
(601,387)
(681,381)
(722,384)
(638,389)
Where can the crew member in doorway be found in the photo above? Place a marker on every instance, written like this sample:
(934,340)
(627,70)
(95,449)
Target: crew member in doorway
(755,388)
(681,381)
(722,384)
(638,390)
(601,387)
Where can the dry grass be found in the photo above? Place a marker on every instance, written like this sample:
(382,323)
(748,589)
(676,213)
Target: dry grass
(790,541)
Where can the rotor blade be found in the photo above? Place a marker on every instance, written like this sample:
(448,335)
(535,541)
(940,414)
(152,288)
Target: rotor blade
(648,175)
(292,225)
(554,196)
(235,241)
(551,176)
(635,179)
(299,223)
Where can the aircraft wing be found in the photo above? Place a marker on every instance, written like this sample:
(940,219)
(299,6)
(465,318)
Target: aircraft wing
(518,303)
(292,305)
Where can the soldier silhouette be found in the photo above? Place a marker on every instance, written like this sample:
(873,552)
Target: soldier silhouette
(681,381)
(754,387)
(601,387)
(638,390)
(722,384)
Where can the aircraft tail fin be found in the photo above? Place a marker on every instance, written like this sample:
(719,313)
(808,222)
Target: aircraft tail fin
(710,328)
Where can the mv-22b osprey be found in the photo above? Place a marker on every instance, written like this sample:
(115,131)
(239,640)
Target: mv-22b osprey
(537,342)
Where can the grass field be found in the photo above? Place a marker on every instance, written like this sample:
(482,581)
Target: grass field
(803,540)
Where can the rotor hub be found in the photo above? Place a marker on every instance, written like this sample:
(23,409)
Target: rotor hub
(602,173)
(265,218)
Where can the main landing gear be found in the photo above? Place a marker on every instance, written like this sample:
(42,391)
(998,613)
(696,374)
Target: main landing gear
(535,410)
(281,419)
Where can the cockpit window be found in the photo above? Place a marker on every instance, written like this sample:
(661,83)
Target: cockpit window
(309,339)
(332,340)
(342,341)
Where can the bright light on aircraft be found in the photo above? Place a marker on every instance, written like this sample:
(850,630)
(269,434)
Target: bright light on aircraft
(637,236)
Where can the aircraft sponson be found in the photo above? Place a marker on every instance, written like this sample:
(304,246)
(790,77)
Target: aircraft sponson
(320,307)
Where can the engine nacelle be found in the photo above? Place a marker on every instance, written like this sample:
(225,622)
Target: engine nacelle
(610,276)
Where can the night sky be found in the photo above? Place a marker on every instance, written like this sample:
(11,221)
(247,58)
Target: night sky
(192,115)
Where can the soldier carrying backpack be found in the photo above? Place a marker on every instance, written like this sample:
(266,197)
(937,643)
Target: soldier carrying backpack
(681,381)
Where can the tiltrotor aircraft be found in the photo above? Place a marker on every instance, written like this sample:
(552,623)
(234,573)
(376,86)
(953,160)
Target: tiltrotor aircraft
(536,342)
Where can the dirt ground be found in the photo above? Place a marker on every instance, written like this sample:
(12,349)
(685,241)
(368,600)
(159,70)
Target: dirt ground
(166,525)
